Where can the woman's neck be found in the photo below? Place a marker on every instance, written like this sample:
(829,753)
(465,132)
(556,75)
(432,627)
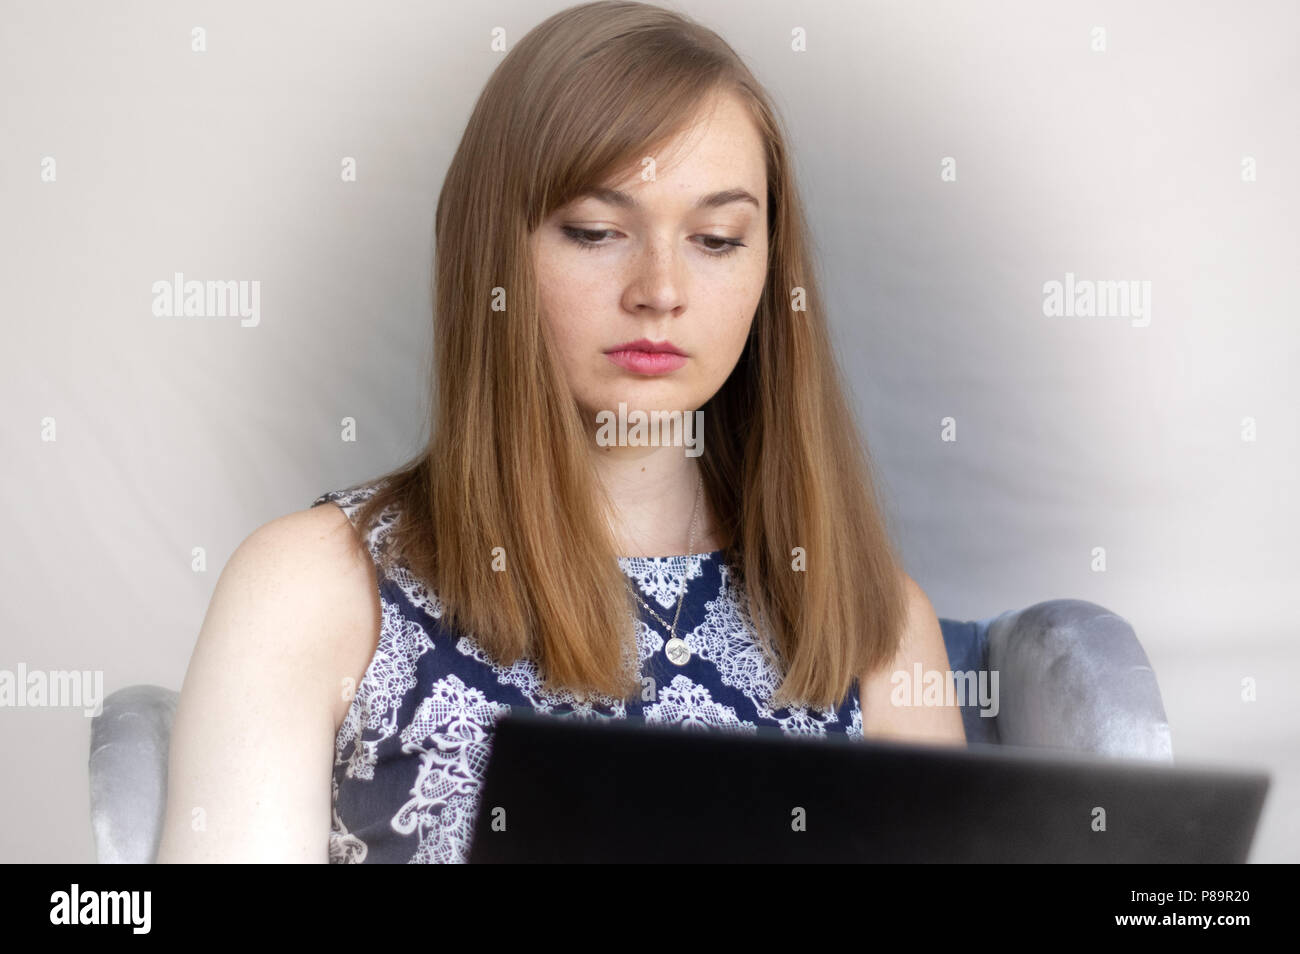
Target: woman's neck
(652,491)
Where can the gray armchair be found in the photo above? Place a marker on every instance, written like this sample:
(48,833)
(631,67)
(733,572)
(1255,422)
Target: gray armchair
(1071,675)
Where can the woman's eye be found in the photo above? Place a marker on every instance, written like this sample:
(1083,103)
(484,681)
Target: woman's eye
(586,238)
(591,238)
(729,245)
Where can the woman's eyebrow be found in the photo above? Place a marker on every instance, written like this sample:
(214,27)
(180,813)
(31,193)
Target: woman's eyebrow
(711,201)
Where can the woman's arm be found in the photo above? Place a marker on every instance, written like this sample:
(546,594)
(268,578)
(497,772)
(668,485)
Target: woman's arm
(889,706)
(252,744)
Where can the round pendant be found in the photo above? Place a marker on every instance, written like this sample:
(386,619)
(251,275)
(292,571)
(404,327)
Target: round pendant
(678,653)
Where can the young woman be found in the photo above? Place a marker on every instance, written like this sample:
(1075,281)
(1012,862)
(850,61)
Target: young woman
(619,231)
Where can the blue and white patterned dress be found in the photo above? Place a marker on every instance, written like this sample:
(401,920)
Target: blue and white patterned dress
(411,753)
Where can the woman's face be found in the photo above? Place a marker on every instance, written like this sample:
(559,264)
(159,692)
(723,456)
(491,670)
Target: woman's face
(679,260)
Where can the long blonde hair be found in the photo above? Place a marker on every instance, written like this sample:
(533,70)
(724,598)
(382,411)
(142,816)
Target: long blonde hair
(588,91)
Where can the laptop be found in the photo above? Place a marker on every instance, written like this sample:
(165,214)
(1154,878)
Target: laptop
(559,789)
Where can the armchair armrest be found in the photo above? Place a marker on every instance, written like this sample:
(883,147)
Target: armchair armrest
(129,742)
(1074,676)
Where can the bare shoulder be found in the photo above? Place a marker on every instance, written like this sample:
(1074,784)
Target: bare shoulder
(252,749)
(892,706)
(318,562)
(310,570)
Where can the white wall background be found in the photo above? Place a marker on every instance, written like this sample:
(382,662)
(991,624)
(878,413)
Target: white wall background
(1072,433)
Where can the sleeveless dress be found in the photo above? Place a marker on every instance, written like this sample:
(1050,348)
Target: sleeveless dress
(411,753)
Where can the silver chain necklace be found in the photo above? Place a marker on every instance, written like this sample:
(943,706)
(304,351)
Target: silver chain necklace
(678,653)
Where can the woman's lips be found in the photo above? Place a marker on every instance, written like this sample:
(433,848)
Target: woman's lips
(644,356)
(647,362)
